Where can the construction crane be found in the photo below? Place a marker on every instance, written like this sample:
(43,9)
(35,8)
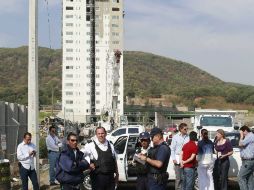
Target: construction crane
(110,113)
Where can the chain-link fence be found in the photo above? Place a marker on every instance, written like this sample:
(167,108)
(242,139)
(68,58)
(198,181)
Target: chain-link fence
(13,124)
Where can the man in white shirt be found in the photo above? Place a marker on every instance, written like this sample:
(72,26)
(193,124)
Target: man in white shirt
(25,154)
(178,140)
(53,143)
(101,155)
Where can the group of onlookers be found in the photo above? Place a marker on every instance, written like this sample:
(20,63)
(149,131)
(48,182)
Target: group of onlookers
(187,152)
(189,157)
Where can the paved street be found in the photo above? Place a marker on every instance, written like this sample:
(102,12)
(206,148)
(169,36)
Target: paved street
(131,186)
(123,186)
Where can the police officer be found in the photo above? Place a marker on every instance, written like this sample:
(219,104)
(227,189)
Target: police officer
(157,161)
(142,181)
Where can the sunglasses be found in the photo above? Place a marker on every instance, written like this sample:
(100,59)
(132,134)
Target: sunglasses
(73,140)
(185,129)
(144,140)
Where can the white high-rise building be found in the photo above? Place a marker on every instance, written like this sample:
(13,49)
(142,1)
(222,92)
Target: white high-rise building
(76,64)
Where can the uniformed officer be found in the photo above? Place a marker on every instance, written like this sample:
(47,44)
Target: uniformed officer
(142,181)
(157,161)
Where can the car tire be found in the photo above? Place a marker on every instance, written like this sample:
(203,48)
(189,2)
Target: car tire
(87,181)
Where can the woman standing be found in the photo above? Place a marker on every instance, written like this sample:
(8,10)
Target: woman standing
(205,162)
(223,149)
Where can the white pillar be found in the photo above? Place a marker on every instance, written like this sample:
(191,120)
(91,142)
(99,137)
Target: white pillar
(156,119)
(33,107)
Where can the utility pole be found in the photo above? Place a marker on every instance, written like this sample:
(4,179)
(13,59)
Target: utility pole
(33,107)
(52,100)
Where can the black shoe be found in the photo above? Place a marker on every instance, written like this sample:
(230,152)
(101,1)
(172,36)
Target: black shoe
(53,183)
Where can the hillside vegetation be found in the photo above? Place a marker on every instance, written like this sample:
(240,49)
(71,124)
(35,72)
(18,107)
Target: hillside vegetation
(13,74)
(145,76)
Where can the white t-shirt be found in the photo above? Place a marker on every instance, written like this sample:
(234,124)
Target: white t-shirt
(90,152)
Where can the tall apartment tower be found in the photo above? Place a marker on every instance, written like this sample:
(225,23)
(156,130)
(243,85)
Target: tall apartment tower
(80,100)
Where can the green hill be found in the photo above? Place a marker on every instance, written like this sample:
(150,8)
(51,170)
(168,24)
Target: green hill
(145,75)
(13,74)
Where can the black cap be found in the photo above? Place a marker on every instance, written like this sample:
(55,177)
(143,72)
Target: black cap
(144,135)
(155,131)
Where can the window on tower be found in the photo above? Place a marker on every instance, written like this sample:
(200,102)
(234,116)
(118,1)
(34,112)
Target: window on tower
(69,8)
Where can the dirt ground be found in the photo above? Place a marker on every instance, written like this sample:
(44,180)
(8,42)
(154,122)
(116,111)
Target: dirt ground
(44,182)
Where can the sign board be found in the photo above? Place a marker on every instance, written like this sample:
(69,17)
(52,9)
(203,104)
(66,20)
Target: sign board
(3,141)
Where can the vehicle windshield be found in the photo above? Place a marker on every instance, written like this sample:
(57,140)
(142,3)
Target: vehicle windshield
(216,121)
(234,139)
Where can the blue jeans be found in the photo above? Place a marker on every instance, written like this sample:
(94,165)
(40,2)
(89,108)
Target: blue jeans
(179,178)
(24,174)
(188,178)
(52,156)
(245,175)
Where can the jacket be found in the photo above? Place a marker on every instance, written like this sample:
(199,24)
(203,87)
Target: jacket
(69,170)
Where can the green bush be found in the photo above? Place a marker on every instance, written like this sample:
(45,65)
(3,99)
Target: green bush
(43,148)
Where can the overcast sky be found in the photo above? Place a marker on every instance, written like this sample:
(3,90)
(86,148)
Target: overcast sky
(214,35)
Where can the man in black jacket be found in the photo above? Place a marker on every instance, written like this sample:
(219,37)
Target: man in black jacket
(70,165)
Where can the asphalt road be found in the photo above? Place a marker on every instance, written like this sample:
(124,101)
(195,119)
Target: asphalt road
(131,186)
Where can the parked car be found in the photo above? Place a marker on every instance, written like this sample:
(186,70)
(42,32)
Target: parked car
(125,146)
(129,129)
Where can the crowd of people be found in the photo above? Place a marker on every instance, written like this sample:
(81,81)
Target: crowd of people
(191,157)
(190,154)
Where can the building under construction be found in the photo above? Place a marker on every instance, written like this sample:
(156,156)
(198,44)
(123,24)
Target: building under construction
(92,68)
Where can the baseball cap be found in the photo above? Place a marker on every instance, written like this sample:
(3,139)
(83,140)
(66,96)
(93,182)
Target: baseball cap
(144,135)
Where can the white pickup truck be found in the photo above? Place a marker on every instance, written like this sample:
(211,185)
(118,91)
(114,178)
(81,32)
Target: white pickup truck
(212,120)
(125,149)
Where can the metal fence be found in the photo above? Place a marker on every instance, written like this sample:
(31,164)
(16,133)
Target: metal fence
(13,124)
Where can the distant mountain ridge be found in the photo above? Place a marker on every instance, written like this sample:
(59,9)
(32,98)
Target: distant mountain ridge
(145,75)
(150,72)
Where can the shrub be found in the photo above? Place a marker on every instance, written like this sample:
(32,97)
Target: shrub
(43,148)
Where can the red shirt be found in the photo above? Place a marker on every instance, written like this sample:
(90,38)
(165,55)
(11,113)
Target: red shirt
(189,149)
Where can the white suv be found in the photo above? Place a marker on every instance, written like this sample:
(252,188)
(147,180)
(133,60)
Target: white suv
(129,129)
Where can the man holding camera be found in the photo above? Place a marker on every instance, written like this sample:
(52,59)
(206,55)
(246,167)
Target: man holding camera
(25,154)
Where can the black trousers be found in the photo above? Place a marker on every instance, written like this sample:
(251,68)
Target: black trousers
(70,187)
(220,174)
(142,182)
(24,174)
(103,181)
